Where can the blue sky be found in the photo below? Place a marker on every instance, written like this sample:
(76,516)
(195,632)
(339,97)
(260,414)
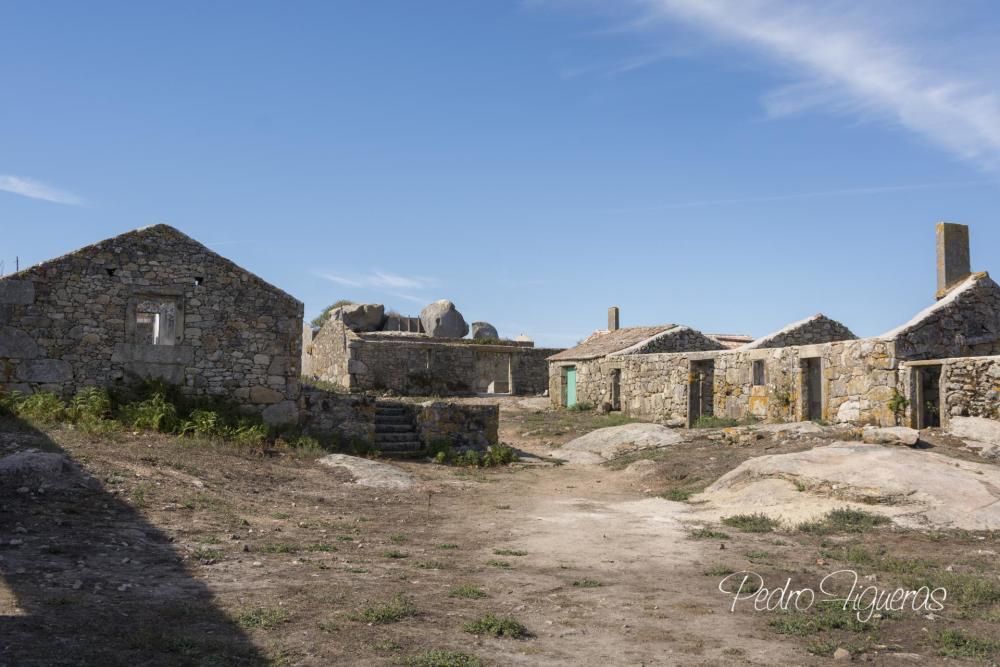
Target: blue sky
(731,165)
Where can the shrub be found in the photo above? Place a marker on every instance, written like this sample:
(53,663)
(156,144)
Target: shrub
(496,626)
(43,408)
(247,433)
(495,455)
(90,406)
(155,413)
(8,402)
(205,423)
(320,319)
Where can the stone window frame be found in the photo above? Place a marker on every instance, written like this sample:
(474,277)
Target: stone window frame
(141,294)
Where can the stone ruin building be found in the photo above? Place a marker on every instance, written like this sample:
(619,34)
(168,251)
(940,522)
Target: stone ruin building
(940,363)
(151,304)
(154,304)
(361,348)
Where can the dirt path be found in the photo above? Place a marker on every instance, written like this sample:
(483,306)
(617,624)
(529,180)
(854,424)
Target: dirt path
(609,577)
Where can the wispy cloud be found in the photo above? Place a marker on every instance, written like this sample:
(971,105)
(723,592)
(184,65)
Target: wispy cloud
(852,59)
(381,280)
(27,187)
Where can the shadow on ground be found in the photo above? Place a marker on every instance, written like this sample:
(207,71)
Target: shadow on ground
(85,579)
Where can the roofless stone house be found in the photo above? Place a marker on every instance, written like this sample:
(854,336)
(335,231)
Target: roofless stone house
(151,303)
(937,364)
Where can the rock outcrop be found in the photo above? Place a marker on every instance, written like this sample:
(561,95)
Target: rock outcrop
(484,330)
(360,316)
(915,487)
(606,444)
(442,320)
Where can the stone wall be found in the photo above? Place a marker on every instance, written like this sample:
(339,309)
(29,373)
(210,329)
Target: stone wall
(152,303)
(860,378)
(307,353)
(346,417)
(463,426)
(417,365)
(812,331)
(970,387)
(330,358)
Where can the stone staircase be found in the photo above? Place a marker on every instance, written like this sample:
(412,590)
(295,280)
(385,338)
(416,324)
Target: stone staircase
(395,434)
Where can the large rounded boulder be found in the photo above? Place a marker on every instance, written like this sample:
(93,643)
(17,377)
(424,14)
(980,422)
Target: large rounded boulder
(484,330)
(442,320)
(360,316)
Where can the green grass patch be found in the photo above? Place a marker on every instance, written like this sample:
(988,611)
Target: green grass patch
(264,618)
(500,564)
(587,583)
(395,553)
(711,421)
(442,658)
(822,619)
(844,521)
(509,552)
(956,644)
(432,565)
(447,546)
(679,495)
(707,534)
(751,523)
(496,626)
(467,591)
(390,611)
(717,571)
(206,555)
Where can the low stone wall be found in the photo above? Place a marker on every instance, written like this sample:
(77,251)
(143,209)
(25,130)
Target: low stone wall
(970,387)
(346,417)
(413,365)
(475,426)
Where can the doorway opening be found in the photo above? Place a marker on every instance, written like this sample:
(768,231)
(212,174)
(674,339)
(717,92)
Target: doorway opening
(701,388)
(927,396)
(616,389)
(812,388)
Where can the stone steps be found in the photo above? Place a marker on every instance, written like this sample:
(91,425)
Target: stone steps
(395,433)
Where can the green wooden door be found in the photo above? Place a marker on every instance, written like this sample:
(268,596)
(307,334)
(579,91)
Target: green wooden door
(571,386)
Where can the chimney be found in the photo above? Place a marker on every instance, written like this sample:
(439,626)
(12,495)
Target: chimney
(613,318)
(953,264)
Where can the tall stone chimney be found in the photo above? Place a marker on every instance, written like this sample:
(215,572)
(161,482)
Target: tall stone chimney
(613,318)
(953,265)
